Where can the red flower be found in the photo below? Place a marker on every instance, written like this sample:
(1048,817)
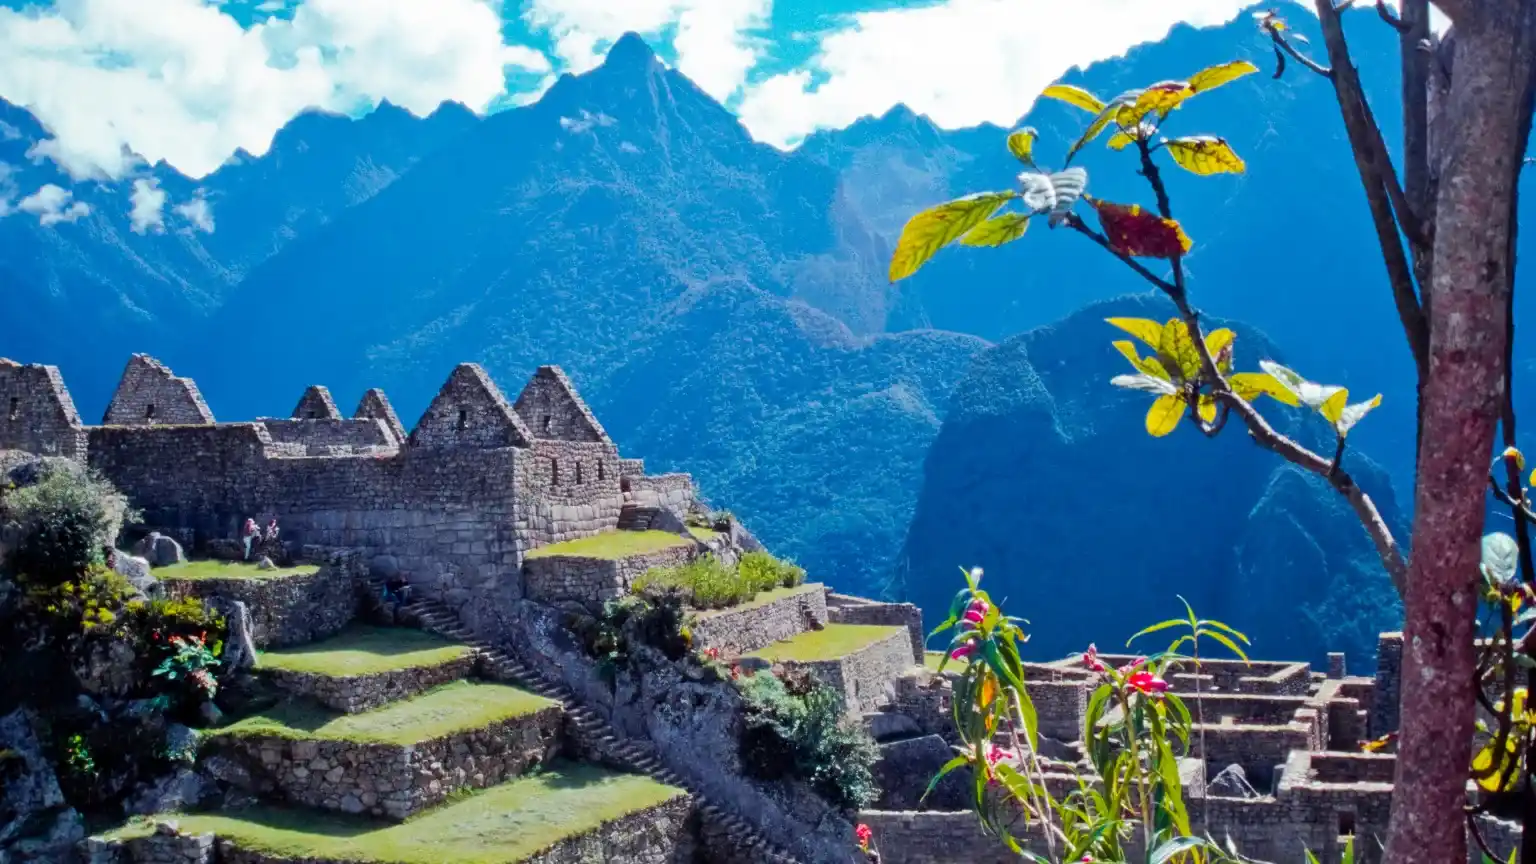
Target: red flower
(1091,659)
(712,653)
(974,614)
(996,754)
(1147,683)
(1131,666)
(865,835)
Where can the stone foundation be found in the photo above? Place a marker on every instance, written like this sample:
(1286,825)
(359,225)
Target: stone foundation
(865,677)
(847,609)
(593,581)
(355,694)
(739,630)
(285,610)
(391,780)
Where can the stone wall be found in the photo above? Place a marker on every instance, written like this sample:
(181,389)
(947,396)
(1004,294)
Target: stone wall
(36,412)
(927,705)
(1389,673)
(285,610)
(390,780)
(593,581)
(1061,707)
(325,437)
(316,404)
(739,630)
(671,491)
(933,837)
(846,609)
(150,394)
(866,677)
(551,410)
(375,405)
(905,768)
(469,412)
(354,694)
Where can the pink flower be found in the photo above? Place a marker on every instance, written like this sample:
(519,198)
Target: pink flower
(864,835)
(1091,659)
(963,651)
(996,754)
(1147,683)
(1131,666)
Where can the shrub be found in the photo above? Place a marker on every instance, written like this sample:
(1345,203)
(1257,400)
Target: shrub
(66,519)
(799,728)
(658,620)
(706,583)
(768,572)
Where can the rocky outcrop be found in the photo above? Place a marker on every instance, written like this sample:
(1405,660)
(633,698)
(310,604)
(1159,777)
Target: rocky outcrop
(36,824)
(159,550)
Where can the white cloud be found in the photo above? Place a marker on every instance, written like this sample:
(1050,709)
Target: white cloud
(148,200)
(181,80)
(53,204)
(9,132)
(584,121)
(712,38)
(198,212)
(961,62)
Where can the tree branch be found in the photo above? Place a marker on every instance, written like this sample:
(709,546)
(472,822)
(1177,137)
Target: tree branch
(1076,223)
(1385,197)
(1397,23)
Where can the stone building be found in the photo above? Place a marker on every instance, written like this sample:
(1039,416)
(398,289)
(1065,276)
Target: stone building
(453,505)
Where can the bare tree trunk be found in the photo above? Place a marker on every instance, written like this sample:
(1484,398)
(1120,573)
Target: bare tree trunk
(1463,401)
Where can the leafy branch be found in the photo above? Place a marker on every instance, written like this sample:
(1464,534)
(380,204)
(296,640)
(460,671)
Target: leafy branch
(1189,373)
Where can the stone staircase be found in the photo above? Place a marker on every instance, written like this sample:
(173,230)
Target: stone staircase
(595,732)
(633,517)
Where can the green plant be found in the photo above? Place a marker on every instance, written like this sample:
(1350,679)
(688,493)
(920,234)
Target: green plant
(190,660)
(797,727)
(764,572)
(66,520)
(77,757)
(1135,732)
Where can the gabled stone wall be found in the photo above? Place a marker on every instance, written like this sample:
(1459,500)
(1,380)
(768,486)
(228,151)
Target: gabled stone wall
(37,414)
(150,394)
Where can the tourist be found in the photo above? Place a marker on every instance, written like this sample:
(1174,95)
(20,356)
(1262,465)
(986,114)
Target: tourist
(248,536)
(272,531)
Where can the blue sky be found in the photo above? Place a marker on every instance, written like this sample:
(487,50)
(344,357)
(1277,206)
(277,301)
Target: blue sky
(189,81)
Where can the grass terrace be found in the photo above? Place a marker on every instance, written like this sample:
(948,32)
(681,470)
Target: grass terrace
(361,650)
(832,643)
(766,597)
(931,660)
(442,711)
(611,545)
(210,569)
(502,824)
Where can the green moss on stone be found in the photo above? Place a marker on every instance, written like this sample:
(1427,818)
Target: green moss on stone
(612,545)
(831,643)
(361,650)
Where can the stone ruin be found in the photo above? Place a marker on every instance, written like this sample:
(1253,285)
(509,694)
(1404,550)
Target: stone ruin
(455,506)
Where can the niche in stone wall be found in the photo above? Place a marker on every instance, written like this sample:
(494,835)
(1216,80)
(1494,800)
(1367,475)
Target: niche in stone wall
(15,408)
(578,473)
(554,472)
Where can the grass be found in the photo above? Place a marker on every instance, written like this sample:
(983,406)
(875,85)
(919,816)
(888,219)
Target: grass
(931,660)
(440,711)
(764,599)
(611,545)
(193,570)
(702,532)
(830,643)
(503,824)
(362,650)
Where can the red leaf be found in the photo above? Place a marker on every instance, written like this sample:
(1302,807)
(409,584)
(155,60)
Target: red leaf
(1141,233)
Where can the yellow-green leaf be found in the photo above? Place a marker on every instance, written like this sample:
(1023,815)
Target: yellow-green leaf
(1099,124)
(1176,344)
(1158,99)
(1208,408)
(1147,365)
(1224,73)
(1333,407)
(1163,416)
(997,230)
(1077,97)
(1490,767)
(1515,454)
(1251,385)
(1120,140)
(1145,329)
(1532,481)
(1218,341)
(933,229)
(1022,145)
(1205,155)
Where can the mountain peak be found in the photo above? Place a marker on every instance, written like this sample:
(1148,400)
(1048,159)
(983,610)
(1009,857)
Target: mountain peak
(630,52)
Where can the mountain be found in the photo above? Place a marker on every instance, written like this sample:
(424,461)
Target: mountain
(1045,477)
(724,304)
